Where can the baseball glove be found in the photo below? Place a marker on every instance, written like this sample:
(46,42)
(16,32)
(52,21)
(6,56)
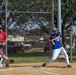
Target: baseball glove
(11,61)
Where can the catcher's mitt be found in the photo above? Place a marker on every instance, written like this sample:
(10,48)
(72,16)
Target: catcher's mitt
(11,61)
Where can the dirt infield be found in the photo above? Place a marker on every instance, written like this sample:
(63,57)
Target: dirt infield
(54,68)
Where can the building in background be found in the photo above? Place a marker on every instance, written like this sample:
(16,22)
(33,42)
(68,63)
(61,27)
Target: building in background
(15,38)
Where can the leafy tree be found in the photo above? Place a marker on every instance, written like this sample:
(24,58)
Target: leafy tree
(68,15)
(18,21)
(23,20)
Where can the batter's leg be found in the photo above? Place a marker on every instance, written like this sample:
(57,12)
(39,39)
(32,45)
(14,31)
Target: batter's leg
(63,51)
(54,56)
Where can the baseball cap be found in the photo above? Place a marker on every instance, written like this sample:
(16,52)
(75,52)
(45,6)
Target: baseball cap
(54,29)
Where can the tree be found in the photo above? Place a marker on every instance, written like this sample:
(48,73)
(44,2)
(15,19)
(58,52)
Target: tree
(17,21)
(25,5)
(21,21)
(68,15)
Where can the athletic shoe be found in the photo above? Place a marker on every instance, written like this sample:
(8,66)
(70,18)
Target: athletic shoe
(43,65)
(7,64)
(69,66)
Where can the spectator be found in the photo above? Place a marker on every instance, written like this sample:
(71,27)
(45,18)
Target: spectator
(74,42)
(46,45)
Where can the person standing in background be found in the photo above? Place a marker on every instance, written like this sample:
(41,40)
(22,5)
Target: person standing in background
(74,42)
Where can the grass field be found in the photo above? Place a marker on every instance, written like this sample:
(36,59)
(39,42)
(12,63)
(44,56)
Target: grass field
(29,63)
(34,55)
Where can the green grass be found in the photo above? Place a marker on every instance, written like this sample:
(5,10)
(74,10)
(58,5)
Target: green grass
(33,55)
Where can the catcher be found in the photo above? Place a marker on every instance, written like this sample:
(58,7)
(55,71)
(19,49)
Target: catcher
(4,58)
(3,38)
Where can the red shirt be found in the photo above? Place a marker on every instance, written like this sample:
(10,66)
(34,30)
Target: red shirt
(3,36)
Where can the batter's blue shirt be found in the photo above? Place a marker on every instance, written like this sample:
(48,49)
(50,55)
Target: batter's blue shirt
(57,42)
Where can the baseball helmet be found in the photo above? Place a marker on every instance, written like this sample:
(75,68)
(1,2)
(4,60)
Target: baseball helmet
(54,29)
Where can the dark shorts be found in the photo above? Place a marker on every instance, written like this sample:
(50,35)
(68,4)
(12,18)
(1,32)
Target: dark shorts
(1,50)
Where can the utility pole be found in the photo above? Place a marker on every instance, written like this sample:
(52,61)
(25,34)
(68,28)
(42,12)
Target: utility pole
(52,14)
(71,34)
(6,24)
(52,23)
(59,15)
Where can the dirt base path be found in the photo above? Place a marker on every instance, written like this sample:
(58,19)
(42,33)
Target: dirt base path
(55,68)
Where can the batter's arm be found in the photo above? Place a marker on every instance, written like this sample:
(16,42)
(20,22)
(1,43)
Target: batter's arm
(52,42)
(56,38)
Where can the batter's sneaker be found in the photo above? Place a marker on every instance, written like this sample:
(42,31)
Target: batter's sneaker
(69,66)
(43,65)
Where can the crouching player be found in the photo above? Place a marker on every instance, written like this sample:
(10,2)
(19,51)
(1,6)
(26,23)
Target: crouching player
(3,58)
(3,38)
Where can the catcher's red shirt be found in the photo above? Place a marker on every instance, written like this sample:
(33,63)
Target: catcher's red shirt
(3,36)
